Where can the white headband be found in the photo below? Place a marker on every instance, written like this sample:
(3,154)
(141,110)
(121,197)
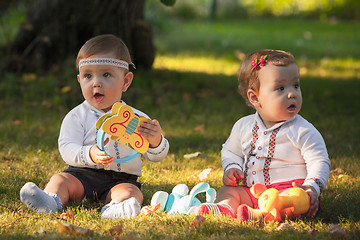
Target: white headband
(104,61)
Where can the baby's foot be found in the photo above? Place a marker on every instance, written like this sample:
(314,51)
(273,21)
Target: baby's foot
(216,209)
(126,209)
(246,213)
(38,200)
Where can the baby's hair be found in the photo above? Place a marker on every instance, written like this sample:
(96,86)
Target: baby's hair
(104,44)
(249,77)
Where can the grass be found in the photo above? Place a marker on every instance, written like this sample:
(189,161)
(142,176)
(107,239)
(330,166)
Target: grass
(192,91)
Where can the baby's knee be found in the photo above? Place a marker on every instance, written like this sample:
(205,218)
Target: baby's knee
(59,178)
(124,191)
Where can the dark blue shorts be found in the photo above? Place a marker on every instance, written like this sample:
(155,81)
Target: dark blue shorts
(98,182)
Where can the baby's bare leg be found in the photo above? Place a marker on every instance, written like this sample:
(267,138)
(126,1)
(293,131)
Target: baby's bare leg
(233,196)
(228,199)
(66,186)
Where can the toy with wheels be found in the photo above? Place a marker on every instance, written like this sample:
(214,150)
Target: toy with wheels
(179,201)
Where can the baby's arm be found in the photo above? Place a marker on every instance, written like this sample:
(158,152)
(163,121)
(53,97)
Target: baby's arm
(313,149)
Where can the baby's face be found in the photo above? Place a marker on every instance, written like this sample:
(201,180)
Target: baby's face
(279,95)
(103,85)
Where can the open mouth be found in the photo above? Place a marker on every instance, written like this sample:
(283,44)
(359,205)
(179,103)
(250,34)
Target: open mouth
(292,107)
(98,97)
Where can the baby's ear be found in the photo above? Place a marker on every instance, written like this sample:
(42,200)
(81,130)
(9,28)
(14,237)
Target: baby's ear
(127,81)
(252,97)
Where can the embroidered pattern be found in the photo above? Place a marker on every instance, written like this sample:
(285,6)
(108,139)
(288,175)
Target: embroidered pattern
(165,145)
(268,158)
(252,145)
(318,182)
(104,61)
(232,163)
(270,155)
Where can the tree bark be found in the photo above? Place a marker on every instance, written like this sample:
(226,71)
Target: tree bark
(56,29)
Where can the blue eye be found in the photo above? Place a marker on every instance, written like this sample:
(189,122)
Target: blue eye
(106,75)
(280,88)
(88,76)
(297,85)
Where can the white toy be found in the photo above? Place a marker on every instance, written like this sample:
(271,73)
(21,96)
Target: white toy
(179,202)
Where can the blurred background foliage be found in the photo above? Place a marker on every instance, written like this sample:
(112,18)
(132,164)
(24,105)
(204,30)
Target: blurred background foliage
(232,9)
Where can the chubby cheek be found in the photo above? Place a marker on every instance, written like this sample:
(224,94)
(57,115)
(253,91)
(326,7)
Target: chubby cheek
(87,93)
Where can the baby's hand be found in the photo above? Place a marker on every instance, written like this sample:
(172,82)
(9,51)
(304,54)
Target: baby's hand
(152,132)
(100,157)
(232,177)
(314,199)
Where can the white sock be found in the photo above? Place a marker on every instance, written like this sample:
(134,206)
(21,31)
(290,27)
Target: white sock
(38,200)
(126,209)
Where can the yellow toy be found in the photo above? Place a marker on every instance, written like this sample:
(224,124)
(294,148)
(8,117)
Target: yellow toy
(122,125)
(271,204)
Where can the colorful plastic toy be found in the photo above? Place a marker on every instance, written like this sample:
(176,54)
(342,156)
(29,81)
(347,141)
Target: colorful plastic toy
(271,203)
(179,202)
(122,125)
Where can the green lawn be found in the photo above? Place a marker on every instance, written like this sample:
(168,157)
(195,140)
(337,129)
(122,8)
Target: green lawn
(192,92)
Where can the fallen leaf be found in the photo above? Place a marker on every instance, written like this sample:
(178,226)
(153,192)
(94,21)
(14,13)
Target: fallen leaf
(28,77)
(147,210)
(282,227)
(203,175)
(337,170)
(186,96)
(200,128)
(337,230)
(65,89)
(195,154)
(192,155)
(198,221)
(17,122)
(313,232)
(72,230)
(67,215)
(192,178)
(116,230)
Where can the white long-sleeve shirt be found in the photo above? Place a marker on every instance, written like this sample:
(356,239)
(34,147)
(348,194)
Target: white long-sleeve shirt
(300,152)
(78,134)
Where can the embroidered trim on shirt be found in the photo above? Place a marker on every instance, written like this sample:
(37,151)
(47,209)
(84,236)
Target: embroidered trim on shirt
(270,155)
(165,145)
(252,144)
(268,158)
(232,163)
(318,182)
(82,155)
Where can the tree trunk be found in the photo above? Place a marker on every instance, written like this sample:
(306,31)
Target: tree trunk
(56,29)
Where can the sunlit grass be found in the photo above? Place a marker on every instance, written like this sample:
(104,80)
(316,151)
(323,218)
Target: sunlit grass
(197,64)
(192,92)
(329,68)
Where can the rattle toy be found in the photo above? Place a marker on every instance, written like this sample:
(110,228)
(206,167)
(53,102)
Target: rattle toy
(271,203)
(179,202)
(122,125)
